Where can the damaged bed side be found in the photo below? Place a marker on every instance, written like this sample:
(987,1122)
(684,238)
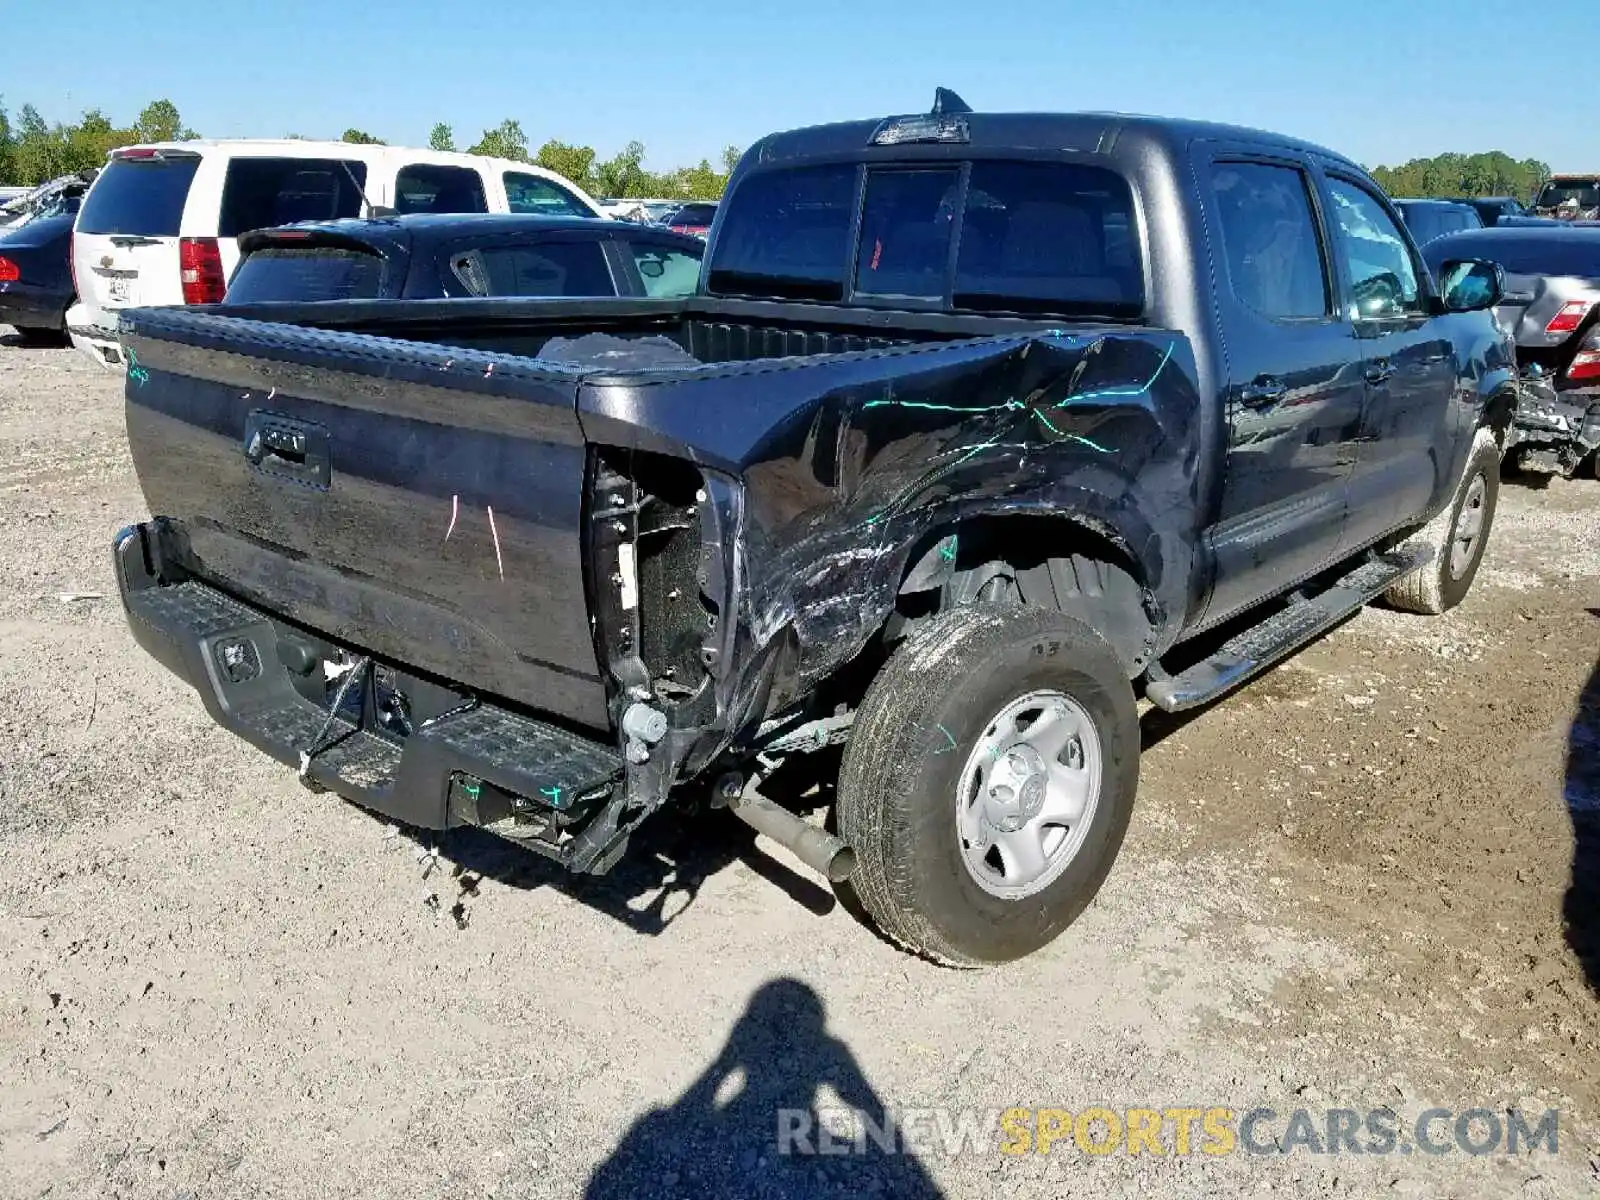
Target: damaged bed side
(867,492)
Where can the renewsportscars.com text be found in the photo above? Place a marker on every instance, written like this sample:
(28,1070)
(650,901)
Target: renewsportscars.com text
(1178,1131)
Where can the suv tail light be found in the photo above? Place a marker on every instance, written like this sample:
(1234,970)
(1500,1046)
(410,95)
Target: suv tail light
(200,268)
(9,271)
(1585,363)
(1570,317)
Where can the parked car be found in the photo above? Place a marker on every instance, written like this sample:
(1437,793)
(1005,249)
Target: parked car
(1569,197)
(962,443)
(1492,209)
(160,225)
(427,257)
(44,200)
(1428,219)
(36,276)
(1551,306)
(693,219)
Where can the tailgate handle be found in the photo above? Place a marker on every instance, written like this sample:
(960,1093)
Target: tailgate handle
(295,450)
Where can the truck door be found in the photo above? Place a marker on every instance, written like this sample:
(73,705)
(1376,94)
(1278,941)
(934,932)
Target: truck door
(1410,365)
(1294,386)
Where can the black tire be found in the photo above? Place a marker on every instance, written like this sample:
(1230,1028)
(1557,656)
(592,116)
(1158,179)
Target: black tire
(1441,585)
(917,726)
(33,335)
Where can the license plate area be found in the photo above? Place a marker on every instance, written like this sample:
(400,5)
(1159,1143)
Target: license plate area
(120,286)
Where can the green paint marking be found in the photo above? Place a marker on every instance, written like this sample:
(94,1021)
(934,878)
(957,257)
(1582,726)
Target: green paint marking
(472,789)
(948,738)
(947,552)
(554,793)
(135,371)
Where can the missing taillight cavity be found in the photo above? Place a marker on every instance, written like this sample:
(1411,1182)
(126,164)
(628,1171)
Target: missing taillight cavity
(650,570)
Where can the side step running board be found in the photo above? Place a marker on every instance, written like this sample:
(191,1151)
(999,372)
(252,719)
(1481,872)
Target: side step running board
(1280,635)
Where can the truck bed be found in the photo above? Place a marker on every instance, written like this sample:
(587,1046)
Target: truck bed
(460,488)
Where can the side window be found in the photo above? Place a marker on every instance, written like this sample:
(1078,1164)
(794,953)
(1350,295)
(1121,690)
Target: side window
(425,188)
(1383,277)
(665,271)
(541,269)
(261,192)
(531,194)
(1270,241)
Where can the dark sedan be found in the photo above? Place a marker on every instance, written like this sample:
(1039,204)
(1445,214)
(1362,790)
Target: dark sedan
(1492,209)
(425,257)
(1428,219)
(36,275)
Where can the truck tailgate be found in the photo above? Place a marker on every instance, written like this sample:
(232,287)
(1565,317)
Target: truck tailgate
(414,502)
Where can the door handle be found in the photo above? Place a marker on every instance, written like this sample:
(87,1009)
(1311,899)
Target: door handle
(1379,371)
(1262,391)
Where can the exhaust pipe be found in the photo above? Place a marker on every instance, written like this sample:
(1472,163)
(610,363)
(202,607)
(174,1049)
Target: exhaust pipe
(825,854)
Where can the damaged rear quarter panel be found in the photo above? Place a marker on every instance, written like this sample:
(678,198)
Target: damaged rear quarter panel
(848,462)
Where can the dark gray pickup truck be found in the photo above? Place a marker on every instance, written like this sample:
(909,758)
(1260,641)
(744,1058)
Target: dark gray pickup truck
(978,427)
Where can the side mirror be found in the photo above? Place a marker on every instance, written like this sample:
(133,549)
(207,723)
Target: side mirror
(1471,285)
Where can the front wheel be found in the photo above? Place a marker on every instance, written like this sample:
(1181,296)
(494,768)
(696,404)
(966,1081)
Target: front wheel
(1457,536)
(988,782)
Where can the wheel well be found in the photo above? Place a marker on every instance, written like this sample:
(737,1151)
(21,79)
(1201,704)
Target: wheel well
(1499,411)
(1059,562)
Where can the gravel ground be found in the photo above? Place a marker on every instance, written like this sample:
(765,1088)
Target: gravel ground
(1367,880)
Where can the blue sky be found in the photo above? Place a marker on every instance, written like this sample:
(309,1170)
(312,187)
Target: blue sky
(1377,82)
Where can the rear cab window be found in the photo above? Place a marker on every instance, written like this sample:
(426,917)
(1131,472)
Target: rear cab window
(139,196)
(258,193)
(306,273)
(986,236)
(427,188)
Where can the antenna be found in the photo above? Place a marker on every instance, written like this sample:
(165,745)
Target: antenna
(372,210)
(946,101)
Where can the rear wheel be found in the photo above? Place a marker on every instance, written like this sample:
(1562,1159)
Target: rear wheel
(988,782)
(1457,536)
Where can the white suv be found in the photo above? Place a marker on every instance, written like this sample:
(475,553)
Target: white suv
(161,223)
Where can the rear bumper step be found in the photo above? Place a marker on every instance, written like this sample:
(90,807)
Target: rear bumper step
(1281,634)
(473,764)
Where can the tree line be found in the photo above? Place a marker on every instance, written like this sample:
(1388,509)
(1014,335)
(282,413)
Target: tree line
(34,151)
(1491,174)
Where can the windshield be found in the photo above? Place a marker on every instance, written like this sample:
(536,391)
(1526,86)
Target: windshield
(1583,193)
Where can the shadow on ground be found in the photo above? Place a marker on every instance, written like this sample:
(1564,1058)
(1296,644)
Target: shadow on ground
(749,1125)
(1583,803)
(670,858)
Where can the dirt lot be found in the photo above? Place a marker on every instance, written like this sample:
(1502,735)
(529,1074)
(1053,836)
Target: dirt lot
(1345,887)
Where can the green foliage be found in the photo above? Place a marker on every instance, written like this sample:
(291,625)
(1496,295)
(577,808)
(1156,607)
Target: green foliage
(359,138)
(575,162)
(1490,174)
(505,140)
(6,144)
(442,137)
(36,152)
(159,122)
